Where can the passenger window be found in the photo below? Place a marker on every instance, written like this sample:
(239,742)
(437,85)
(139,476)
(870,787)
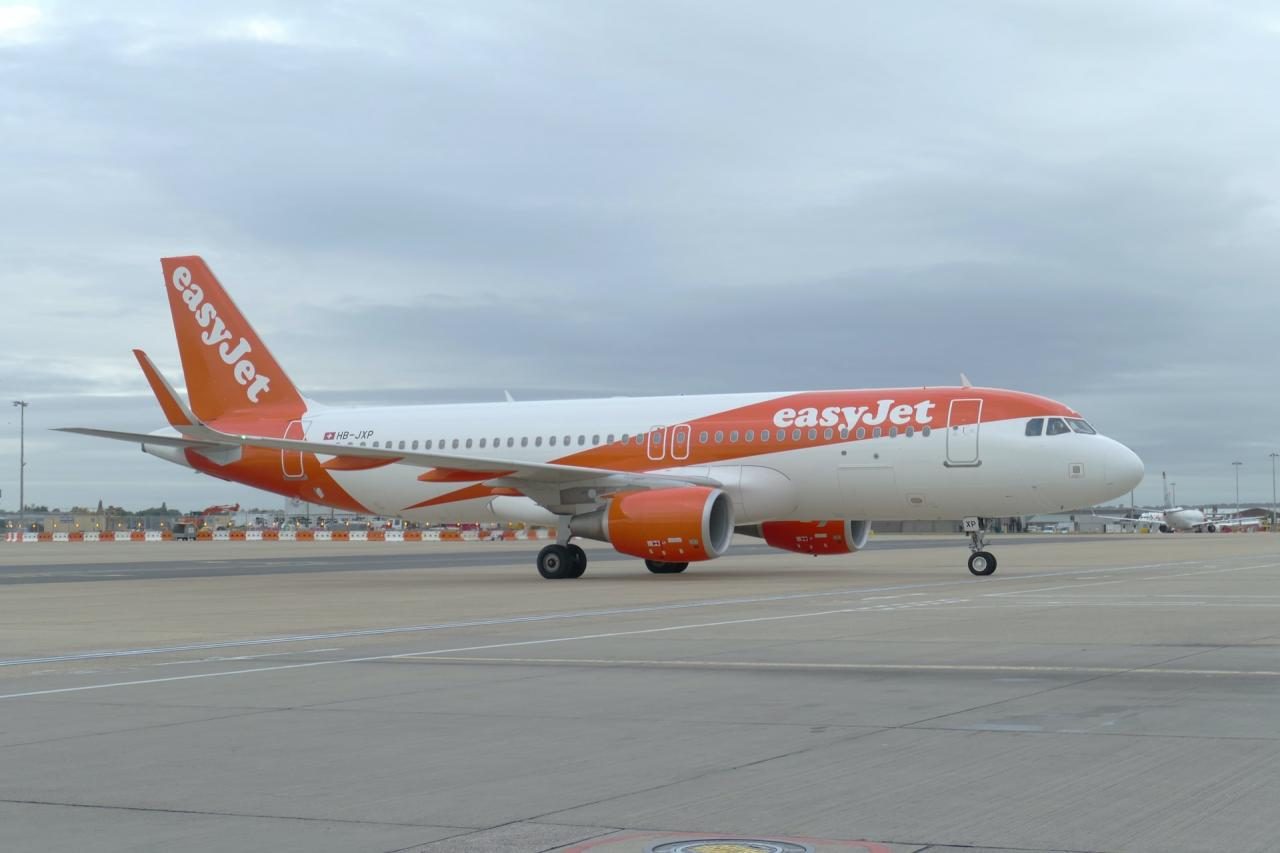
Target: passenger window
(813,434)
(1035,426)
(926,432)
(375,444)
(537,442)
(719,436)
(625,438)
(733,437)
(639,440)
(657,439)
(862,432)
(595,439)
(764,435)
(911,431)
(582,439)
(702,437)
(1081,426)
(795,434)
(893,432)
(844,433)
(482,442)
(552,441)
(826,434)
(568,439)
(680,437)
(468,444)
(610,438)
(750,436)
(875,433)
(415,444)
(524,441)
(1057,427)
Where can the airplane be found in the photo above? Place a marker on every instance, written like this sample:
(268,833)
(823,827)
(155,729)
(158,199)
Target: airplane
(1184,518)
(665,479)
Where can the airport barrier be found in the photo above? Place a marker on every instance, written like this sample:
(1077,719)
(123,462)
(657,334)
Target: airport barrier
(272,535)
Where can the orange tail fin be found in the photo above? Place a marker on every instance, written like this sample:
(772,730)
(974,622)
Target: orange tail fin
(227,366)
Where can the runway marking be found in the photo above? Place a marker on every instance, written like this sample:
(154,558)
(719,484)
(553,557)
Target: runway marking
(539,642)
(859,594)
(857,667)
(434,652)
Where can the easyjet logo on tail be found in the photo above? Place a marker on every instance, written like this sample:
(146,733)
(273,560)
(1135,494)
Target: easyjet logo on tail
(217,335)
(852,416)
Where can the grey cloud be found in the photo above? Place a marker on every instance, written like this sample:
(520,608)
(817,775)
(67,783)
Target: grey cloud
(1075,198)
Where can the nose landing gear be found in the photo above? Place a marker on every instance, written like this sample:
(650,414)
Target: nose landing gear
(981,561)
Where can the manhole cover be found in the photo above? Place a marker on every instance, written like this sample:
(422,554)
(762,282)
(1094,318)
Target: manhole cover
(729,845)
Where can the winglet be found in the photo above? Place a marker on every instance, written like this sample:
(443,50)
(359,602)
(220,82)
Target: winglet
(175,411)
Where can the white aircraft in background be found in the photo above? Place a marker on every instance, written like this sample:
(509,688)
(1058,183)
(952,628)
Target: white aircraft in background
(665,479)
(1186,519)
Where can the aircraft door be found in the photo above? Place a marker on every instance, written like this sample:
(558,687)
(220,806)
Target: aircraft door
(680,440)
(291,460)
(656,443)
(964,418)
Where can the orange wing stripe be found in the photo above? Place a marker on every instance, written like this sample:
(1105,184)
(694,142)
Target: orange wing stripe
(355,463)
(457,475)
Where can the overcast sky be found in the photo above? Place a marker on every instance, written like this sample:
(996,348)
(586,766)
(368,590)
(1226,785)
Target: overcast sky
(437,201)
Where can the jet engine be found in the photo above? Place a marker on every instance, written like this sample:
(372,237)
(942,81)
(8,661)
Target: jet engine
(678,525)
(812,537)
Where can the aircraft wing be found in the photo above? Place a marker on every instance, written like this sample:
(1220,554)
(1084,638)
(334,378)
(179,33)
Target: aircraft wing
(197,435)
(470,468)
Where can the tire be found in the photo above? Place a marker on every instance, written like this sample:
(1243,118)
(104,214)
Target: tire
(660,568)
(1211,528)
(579,558)
(982,563)
(555,562)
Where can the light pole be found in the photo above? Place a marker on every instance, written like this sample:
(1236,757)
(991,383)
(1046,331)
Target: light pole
(22,462)
(1237,465)
(1273,491)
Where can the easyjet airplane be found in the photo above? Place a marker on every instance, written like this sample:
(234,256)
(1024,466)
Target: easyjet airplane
(665,479)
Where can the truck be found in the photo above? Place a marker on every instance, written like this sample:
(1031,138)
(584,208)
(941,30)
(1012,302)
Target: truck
(185,529)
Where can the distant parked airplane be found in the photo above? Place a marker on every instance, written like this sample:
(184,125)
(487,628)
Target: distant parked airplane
(665,479)
(1185,519)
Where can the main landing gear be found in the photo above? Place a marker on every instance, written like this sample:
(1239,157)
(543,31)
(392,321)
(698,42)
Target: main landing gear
(559,562)
(981,561)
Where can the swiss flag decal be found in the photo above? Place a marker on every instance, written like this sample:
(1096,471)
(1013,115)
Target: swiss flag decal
(328,436)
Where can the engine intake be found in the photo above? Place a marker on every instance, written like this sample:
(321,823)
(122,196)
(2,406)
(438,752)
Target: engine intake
(812,537)
(683,524)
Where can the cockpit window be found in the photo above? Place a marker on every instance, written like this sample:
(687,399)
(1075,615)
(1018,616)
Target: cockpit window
(1081,425)
(1035,426)
(1057,427)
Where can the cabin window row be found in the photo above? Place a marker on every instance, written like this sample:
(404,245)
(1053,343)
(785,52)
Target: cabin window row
(763,436)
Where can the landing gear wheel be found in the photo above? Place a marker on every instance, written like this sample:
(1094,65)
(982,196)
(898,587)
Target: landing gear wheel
(579,558)
(556,562)
(982,563)
(1211,529)
(661,568)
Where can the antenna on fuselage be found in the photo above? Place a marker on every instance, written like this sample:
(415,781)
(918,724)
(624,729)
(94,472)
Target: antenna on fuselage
(964,381)
(507,394)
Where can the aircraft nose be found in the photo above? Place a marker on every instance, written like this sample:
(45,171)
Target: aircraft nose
(1124,470)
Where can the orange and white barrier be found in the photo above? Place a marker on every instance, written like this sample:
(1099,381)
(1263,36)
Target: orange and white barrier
(342,535)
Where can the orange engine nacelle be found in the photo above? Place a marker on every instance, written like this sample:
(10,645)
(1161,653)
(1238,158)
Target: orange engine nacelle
(813,537)
(679,525)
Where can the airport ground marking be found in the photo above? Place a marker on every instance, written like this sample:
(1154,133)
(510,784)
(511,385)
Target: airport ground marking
(855,667)
(434,653)
(550,617)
